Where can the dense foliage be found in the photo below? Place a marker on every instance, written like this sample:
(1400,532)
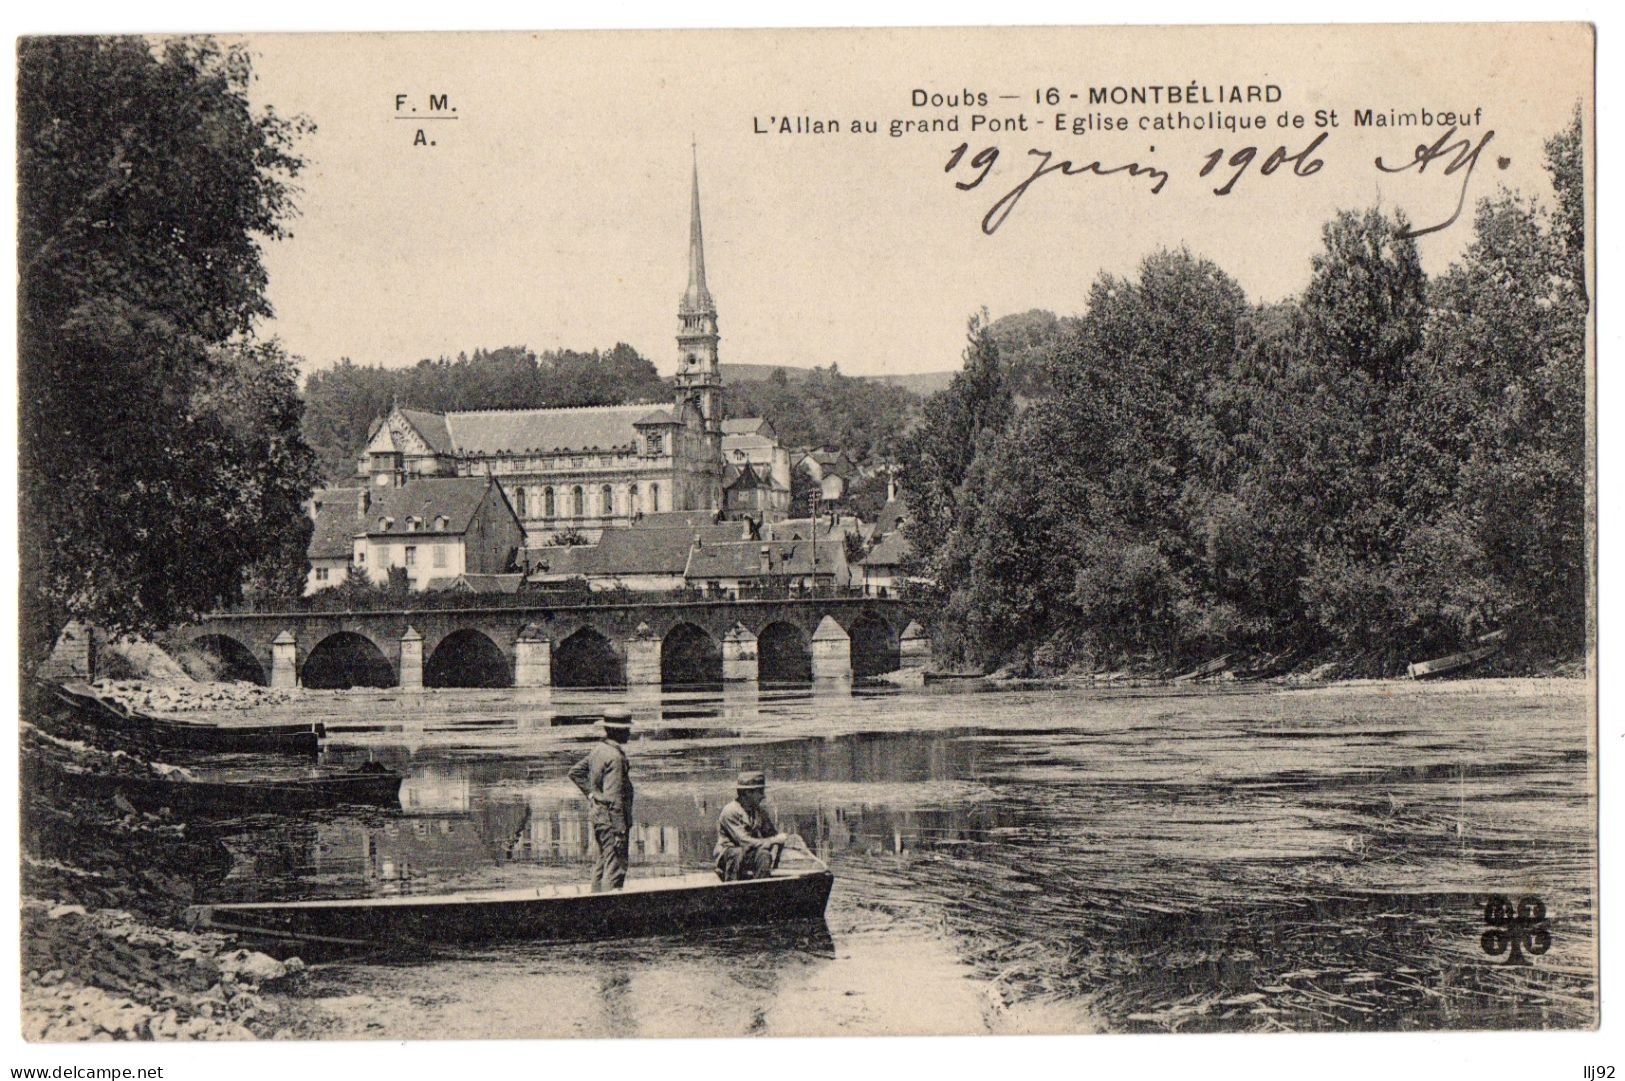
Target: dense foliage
(1383,467)
(344,400)
(863,417)
(161,462)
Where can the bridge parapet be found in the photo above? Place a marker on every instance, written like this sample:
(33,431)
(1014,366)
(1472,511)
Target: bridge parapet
(519,644)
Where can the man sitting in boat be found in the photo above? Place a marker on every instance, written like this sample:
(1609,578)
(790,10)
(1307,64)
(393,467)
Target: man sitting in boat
(747,840)
(606,780)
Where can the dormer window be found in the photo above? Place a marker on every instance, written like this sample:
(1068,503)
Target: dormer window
(441,524)
(411,524)
(385,524)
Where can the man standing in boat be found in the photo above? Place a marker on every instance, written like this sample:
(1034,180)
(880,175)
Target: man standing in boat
(747,839)
(605,779)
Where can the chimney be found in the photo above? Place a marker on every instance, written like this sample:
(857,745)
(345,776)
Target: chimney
(767,559)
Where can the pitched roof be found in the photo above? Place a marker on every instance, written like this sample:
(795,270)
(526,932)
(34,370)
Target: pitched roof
(476,583)
(891,516)
(747,426)
(338,519)
(802,528)
(432,427)
(516,431)
(743,559)
(890,552)
(744,477)
(427,498)
(677,519)
(653,417)
(559,560)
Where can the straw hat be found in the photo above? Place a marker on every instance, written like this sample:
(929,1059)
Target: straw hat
(615,717)
(751,779)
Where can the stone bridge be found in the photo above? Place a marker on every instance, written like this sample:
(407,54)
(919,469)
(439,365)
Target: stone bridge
(698,641)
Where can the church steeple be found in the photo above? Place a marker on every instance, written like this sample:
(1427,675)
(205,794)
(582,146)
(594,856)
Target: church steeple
(699,379)
(697,298)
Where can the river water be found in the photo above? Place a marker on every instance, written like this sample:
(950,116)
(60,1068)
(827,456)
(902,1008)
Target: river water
(1049,860)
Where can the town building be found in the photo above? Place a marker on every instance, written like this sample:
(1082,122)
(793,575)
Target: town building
(435,528)
(881,570)
(751,441)
(339,515)
(771,568)
(833,470)
(649,555)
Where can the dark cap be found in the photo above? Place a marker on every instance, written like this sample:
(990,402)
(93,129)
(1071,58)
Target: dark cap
(751,778)
(616,717)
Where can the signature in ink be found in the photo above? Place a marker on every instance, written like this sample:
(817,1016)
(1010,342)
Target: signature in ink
(1463,155)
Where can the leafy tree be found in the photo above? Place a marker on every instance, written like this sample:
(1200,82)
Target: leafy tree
(935,457)
(1026,341)
(146,185)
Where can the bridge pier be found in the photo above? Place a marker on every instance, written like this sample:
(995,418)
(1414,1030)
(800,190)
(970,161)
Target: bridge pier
(831,651)
(739,662)
(533,658)
(411,660)
(914,647)
(284,661)
(642,658)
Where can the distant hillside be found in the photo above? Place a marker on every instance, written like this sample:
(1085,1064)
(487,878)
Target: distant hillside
(921,383)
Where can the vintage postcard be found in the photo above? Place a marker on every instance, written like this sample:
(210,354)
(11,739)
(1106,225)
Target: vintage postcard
(807,533)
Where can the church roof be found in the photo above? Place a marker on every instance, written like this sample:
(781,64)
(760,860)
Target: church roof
(519,431)
(655,416)
(425,499)
(338,519)
(432,427)
(677,519)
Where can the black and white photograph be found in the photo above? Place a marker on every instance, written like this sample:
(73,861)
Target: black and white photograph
(818,533)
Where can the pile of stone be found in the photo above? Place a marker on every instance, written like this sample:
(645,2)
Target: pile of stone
(153,697)
(133,981)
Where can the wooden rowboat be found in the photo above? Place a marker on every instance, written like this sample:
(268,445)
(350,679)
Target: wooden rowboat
(644,906)
(1488,646)
(177,790)
(120,722)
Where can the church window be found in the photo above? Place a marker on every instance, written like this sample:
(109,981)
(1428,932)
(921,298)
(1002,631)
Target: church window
(606,501)
(549,510)
(519,503)
(654,499)
(578,502)
(657,443)
(632,507)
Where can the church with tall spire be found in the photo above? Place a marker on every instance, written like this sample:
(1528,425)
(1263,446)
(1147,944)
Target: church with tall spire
(572,473)
(699,376)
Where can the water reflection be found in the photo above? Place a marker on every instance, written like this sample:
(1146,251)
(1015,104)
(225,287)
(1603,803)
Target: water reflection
(1147,853)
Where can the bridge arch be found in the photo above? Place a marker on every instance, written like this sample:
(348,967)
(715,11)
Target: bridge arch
(227,659)
(689,655)
(587,659)
(783,653)
(875,648)
(467,658)
(346,659)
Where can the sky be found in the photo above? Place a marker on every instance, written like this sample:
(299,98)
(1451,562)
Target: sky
(553,211)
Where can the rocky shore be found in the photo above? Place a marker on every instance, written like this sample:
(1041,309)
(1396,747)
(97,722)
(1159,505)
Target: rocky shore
(177,696)
(103,974)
